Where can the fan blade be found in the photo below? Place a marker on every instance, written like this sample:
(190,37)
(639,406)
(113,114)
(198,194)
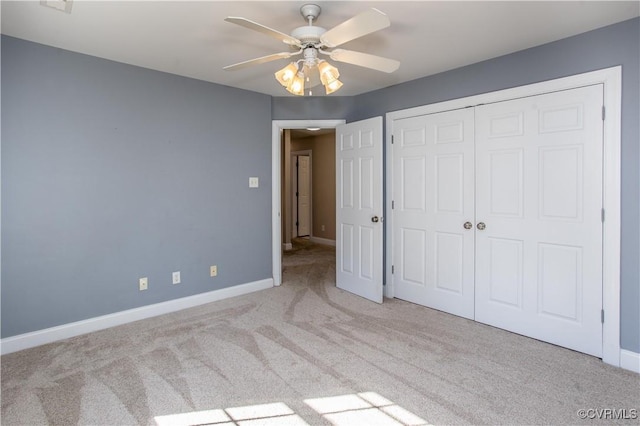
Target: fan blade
(261,60)
(362,24)
(243,22)
(365,60)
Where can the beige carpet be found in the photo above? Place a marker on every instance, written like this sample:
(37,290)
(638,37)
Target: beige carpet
(309,353)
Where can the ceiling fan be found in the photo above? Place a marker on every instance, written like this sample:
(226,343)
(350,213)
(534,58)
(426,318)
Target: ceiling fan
(310,41)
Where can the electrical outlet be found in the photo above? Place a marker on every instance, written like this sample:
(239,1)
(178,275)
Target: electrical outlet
(143,283)
(214,270)
(254,182)
(175,277)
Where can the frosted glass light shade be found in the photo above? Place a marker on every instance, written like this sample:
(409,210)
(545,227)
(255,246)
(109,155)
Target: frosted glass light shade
(327,71)
(297,85)
(286,74)
(293,79)
(333,86)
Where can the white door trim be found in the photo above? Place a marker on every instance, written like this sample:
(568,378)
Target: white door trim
(277,126)
(611,78)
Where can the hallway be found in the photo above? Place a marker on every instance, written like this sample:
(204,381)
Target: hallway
(308,264)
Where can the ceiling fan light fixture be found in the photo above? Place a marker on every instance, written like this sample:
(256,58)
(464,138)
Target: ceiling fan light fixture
(312,40)
(328,72)
(296,86)
(285,75)
(294,79)
(333,86)
(329,77)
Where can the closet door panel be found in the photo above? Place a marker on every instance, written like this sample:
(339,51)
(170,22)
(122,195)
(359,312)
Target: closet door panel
(539,196)
(433,185)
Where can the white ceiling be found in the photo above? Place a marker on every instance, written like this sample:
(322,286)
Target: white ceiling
(191,39)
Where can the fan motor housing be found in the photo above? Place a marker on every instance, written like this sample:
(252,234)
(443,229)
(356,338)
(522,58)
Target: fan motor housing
(308,34)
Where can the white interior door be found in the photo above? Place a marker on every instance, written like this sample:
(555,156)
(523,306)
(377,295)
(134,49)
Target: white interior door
(359,208)
(433,187)
(539,196)
(304,196)
(294,199)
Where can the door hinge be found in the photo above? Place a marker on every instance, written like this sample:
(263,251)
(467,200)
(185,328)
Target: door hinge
(602,316)
(392,140)
(603,112)
(602,215)
(393,269)
(393,204)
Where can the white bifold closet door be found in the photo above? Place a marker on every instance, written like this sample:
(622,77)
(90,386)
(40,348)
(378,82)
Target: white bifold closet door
(497,215)
(433,190)
(539,192)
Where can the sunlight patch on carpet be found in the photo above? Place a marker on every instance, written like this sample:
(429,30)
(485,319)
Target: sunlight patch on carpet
(276,413)
(367,408)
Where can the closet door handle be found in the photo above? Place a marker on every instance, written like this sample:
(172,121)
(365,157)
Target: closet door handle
(468,225)
(481,226)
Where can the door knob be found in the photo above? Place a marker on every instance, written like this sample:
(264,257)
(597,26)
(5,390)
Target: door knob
(481,226)
(468,225)
(375,219)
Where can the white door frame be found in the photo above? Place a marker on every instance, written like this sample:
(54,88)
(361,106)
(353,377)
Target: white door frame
(277,126)
(611,78)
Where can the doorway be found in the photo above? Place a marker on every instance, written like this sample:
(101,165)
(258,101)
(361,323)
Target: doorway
(280,189)
(309,213)
(355,157)
(308,186)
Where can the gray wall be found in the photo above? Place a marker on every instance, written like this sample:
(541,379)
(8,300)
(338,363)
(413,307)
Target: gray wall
(111,173)
(312,108)
(606,47)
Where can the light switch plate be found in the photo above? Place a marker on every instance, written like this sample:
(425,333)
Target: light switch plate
(253,182)
(61,5)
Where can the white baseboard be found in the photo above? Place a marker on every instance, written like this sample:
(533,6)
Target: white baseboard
(324,241)
(630,360)
(287,246)
(53,334)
